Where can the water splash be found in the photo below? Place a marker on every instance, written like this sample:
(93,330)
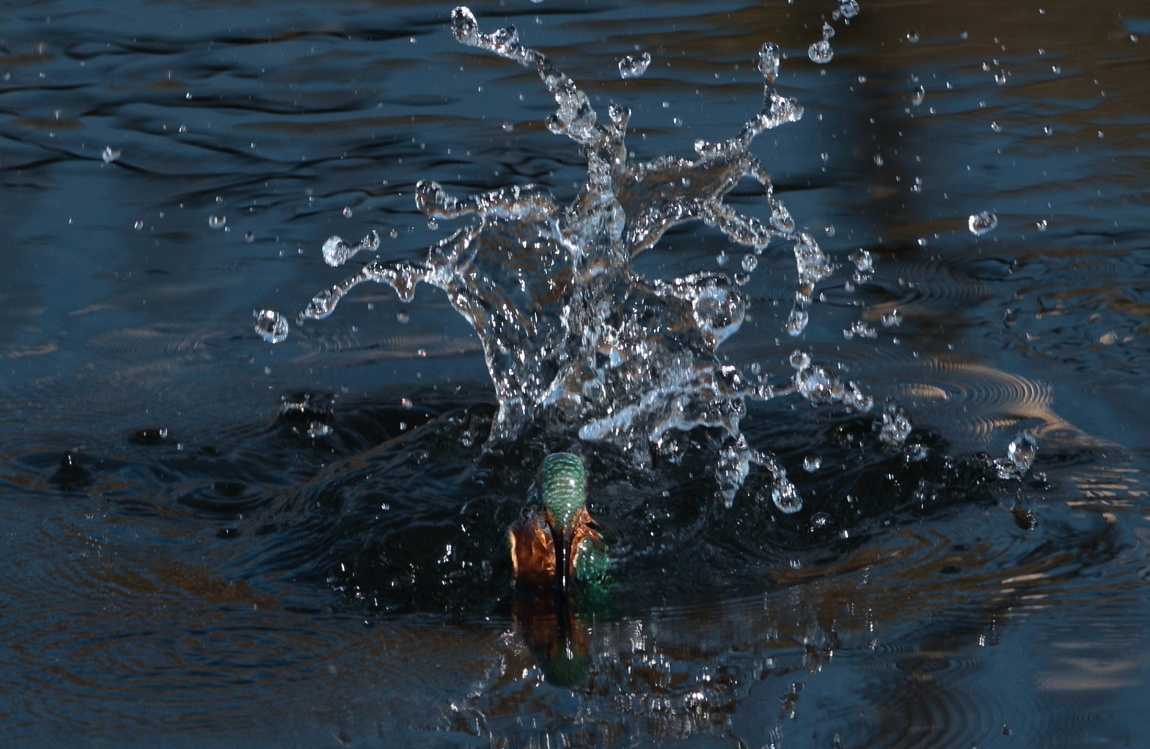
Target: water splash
(574,338)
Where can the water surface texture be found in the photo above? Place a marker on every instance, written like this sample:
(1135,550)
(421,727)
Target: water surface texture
(871,457)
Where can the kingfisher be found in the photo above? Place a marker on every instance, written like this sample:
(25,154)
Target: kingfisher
(557,545)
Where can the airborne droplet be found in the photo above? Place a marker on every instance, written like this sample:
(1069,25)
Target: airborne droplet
(981,223)
(821,52)
(633,67)
(271,325)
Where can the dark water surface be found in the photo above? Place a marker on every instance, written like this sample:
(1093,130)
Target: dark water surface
(208,539)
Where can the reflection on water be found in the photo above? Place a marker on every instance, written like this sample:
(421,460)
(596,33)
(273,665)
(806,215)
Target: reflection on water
(212,539)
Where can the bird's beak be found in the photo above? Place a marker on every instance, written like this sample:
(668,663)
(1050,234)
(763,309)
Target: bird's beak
(562,539)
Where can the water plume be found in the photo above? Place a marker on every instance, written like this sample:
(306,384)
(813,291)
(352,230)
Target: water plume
(573,336)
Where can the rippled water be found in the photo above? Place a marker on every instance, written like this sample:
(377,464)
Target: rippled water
(211,538)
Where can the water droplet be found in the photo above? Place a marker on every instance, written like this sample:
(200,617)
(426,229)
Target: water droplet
(864,264)
(110,154)
(878,159)
(892,319)
(811,463)
(981,223)
(912,37)
(271,325)
(996,127)
(1019,458)
(249,236)
(860,329)
(849,8)
(769,57)
(1041,225)
(917,96)
(786,497)
(336,252)
(634,67)
(217,221)
(138,225)
(464,27)
(347,212)
(895,425)
(820,52)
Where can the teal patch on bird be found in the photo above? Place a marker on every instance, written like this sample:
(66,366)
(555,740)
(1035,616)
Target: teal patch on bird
(564,488)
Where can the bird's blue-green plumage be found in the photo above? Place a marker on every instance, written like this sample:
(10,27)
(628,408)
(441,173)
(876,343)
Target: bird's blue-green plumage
(564,485)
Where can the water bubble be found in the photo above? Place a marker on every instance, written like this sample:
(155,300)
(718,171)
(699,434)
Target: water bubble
(271,325)
(981,223)
(634,67)
(217,221)
(820,52)
(110,154)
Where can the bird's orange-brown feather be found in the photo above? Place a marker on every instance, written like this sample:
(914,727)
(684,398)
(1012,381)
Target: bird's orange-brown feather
(532,551)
